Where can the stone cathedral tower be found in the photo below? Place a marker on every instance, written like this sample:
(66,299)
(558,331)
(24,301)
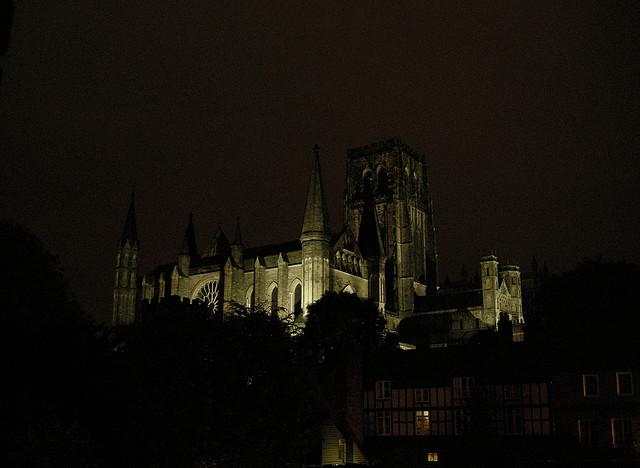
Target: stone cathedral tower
(125,286)
(396,177)
(315,238)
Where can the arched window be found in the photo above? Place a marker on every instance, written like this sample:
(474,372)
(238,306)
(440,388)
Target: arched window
(297,300)
(374,286)
(383,180)
(209,294)
(274,299)
(249,298)
(367,179)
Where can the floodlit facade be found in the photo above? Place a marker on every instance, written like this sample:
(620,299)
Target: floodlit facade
(386,251)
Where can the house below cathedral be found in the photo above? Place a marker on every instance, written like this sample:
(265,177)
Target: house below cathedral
(386,251)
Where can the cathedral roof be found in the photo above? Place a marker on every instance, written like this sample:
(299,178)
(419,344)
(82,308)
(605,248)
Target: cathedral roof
(167,268)
(448,301)
(316,221)
(346,239)
(291,250)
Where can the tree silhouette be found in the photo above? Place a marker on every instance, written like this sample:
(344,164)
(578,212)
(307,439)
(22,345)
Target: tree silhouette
(341,323)
(50,354)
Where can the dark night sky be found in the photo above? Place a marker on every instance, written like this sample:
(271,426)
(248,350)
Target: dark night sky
(527,111)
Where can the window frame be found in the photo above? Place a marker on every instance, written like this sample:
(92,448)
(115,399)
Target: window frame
(618,389)
(425,393)
(512,413)
(512,392)
(585,377)
(463,387)
(461,421)
(624,436)
(384,423)
(422,420)
(587,432)
(383,389)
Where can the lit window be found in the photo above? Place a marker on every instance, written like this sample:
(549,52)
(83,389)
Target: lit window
(621,432)
(514,421)
(383,389)
(624,383)
(423,423)
(462,387)
(590,385)
(432,457)
(587,432)
(383,422)
(422,395)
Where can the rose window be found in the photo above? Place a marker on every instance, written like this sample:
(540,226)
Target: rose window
(209,293)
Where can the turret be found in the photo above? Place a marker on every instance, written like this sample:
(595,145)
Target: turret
(188,250)
(125,285)
(236,245)
(510,274)
(315,238)
(489,280)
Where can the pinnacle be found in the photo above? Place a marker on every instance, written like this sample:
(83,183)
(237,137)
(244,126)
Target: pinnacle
(130,231)
(316,223)
(189,241)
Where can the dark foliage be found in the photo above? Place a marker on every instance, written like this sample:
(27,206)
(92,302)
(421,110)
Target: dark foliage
(177,388)
(50,355)
(339,324)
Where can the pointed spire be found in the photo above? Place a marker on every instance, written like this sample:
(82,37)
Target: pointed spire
(237,235)
(130,231)
(219,244)
(316,221)
(369,238)
(189,242)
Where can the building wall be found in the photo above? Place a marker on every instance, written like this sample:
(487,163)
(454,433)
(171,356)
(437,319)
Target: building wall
(236,284)
(577,408)
(519,409)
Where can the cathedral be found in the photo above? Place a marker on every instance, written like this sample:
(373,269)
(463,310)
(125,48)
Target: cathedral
(385,251)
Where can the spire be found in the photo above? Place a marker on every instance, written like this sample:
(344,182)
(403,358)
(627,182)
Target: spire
(369,238)
(237,235)
(189,242)
(130,232)
(219,244)
(316,222)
